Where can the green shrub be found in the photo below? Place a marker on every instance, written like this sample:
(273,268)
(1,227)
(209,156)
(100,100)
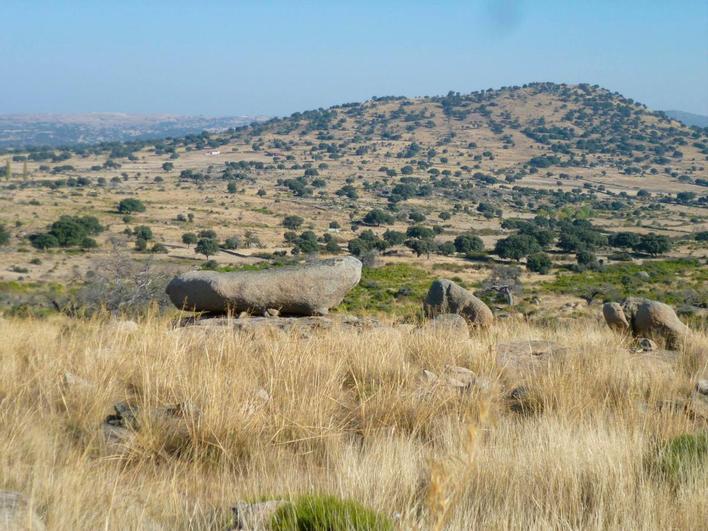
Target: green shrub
(4,235)
(126,206)
(539,263)
(319,513)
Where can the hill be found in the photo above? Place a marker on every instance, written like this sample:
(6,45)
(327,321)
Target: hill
(588,182)
(56,130)
(688,118)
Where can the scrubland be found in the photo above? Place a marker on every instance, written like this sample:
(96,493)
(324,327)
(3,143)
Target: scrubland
(351,414)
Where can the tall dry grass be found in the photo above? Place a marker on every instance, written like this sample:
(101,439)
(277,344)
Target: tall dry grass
(346,413)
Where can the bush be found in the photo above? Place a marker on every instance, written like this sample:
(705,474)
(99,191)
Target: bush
(420,232)
(189,238)
(292,222)
(158,248)
(539,263)
(127,206)
(232,243)
(517,246)
(141,244)
(446,248)
(67,231)
(207,246)
(378,217)
(469,243)
(88,243)
(143,232)
(316,512)
(653,244)
(207,233)
(43,241)
(121,286)
(625,240)
(4,235)
(393,237)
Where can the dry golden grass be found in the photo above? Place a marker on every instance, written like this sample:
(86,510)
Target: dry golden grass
(349,415)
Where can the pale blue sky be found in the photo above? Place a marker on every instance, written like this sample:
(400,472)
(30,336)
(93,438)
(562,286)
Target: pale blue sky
(275,57)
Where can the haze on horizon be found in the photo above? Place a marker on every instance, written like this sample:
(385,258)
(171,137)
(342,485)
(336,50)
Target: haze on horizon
(275,58)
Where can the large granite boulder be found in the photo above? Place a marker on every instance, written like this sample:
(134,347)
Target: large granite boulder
(645,318)
(292,291)
(444,296)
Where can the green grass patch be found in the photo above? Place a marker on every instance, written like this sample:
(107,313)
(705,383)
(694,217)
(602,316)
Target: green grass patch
(29,299)
(676,281)
(682,457)
(395,290)
(318,513)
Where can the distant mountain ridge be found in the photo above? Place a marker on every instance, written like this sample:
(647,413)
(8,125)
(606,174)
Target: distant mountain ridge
(688,118)
(31,130)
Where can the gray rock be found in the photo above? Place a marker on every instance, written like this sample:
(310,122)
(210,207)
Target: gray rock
(702,387)
(645,318)
(16,513)
(460,378)
(614,316)
(304,326)
(655,319)
(295,291)
(448,322)
(647,345)
(444,296)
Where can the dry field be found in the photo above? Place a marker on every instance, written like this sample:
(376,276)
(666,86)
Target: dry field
(350,414)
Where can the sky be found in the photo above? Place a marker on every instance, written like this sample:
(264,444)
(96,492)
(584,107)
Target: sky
(220,58)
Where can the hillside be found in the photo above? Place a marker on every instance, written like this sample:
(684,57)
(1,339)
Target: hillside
(120,411)
(401,178)
(688,118)
(56,130)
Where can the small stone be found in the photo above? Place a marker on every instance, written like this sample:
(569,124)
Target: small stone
(244,315)
(647,345)
(271,312)
(263,395)
(702,387)
(71,380)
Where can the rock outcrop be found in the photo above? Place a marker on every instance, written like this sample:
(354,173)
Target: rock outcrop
(290,291)
(444,296)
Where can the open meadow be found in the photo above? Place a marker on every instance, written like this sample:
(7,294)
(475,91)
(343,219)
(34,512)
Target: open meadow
(591,442)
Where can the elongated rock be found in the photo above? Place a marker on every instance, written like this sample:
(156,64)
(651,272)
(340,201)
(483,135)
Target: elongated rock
(292,291)
(444,296)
